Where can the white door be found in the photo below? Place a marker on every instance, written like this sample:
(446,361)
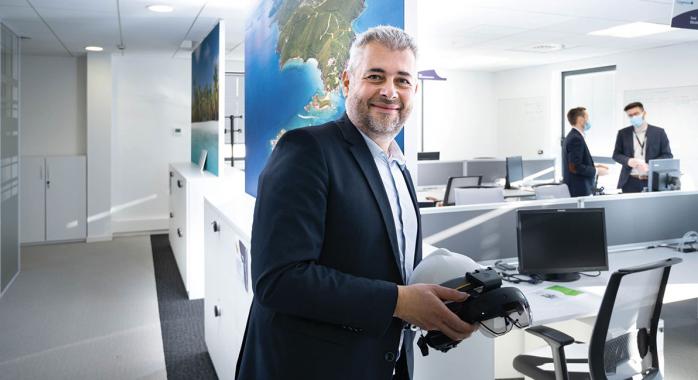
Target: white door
(235,119)
(32,200)
(66,201)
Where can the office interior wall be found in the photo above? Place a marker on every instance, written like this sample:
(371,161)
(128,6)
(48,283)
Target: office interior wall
(152,96)
(234,65)
(98,137)
(670,66)
(53,113)
(459,115)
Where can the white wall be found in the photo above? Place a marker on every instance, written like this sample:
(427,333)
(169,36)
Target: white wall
(459,115)
(53,106)
(152,97)
(672,66)
(99,126)
(234,66)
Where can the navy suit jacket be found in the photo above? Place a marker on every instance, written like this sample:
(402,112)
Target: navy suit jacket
(578,170)
(657,146)
(325,263)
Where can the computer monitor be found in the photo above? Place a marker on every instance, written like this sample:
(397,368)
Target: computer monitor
(664,175)
(514,170)
(428,156)
(557,244)
(491,170)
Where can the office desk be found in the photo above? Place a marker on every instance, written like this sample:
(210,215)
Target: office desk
(438,192)
(475,356)
(682,285)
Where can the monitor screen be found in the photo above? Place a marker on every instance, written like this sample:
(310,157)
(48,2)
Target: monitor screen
(562,241)
(514,170)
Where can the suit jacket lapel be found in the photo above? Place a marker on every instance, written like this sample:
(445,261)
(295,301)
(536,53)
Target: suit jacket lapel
(363,157)
(415,203)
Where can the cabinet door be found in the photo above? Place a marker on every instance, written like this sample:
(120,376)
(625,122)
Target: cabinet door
(178,223)
(32,200)
(66,201)
(236,294)
(212,302)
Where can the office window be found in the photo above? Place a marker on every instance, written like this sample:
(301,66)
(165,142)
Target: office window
(235,121)
(594,89)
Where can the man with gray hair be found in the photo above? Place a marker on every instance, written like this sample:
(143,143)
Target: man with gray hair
(336,235)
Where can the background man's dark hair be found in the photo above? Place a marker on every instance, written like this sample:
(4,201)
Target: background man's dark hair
(574,113)
(633,105)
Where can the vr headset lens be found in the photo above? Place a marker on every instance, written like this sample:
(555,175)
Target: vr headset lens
(502,325)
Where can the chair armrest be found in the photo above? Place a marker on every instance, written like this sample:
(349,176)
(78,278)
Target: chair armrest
(551,336)
(557,340)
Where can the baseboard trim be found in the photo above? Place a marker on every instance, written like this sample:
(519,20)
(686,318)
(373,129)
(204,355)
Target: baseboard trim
(9,284)
(122,227)
(96,239)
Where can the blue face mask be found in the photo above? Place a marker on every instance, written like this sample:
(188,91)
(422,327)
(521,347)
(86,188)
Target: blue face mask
(587,126)
(637,121)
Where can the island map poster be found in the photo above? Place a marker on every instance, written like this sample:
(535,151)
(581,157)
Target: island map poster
(205,100)
(295,52)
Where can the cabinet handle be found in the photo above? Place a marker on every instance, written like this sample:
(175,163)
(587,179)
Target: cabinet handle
(171,215)
(179,232)
(216,311)
(48,177)
(171,174)
(216,226)
(179,183)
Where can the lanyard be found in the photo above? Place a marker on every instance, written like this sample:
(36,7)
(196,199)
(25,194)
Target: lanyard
(642,144)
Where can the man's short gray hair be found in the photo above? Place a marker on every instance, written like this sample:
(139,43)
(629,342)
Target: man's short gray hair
(391,37)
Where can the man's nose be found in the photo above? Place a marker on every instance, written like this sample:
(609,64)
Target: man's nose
(389,90)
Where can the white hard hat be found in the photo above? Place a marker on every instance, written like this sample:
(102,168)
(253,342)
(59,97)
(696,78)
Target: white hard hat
(442,265)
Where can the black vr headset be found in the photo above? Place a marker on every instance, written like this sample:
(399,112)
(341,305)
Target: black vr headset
(497,309)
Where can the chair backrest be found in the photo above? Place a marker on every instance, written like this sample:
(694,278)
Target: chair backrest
(552,191)
(456,182)
(475,195)
(624,340)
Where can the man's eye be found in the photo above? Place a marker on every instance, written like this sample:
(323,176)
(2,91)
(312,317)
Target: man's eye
(374,77)
(404,81)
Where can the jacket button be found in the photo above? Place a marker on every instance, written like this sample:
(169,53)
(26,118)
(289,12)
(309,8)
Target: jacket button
(389,356)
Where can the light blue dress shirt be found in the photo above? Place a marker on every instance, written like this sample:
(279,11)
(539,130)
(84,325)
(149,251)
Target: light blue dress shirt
(390,167)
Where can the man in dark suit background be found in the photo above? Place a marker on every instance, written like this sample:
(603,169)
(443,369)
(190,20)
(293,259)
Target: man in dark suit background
(636,145)
(336,234)
(578,169)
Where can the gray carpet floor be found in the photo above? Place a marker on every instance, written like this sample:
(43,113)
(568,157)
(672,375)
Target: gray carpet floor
(181,320)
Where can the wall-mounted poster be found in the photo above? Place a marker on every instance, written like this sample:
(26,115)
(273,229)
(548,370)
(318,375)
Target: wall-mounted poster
(207,122)
(295,52)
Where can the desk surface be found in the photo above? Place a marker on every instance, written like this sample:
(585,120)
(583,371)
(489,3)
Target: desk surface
(682,285)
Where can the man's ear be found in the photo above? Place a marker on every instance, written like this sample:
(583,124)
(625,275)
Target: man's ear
(346,78)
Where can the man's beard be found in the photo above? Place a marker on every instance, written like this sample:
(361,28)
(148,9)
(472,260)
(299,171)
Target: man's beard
(383,125)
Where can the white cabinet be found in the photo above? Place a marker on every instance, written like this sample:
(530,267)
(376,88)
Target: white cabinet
(53,205)
(188,185)
(227,232)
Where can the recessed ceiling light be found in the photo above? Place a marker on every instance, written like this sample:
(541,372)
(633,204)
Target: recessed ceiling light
(160,8)
(633,30)
(93,48)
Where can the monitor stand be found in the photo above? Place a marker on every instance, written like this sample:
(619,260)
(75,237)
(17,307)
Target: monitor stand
(560,277)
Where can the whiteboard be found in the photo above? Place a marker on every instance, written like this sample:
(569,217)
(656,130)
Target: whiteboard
(676,110)
(524,123)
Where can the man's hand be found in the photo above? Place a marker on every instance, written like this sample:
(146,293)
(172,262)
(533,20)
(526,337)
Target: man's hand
(422,305)
(601,169)
(643,168)
(633,162)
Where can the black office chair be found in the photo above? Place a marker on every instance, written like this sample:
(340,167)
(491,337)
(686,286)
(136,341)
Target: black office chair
(456,182)
(623,342)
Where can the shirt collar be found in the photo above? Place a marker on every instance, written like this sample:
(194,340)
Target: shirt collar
(394,152)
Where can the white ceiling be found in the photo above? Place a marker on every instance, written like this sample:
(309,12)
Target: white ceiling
(489,35)
(493,35)
(70,25)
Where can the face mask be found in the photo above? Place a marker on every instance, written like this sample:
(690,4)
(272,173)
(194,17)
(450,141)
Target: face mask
(587,126)
(637,121)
